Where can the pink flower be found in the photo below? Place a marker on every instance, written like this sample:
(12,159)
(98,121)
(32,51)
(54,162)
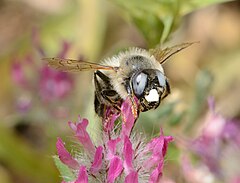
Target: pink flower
(128,116)
(122,156)
(157,149)
(33,76)
(157,173)
(115,169)
(65,156)
(236,179)
(217,146)
(131,177)
(112,145)
(82,134)
(82,175)
(17,74)
(128,156)
(195,174)
(97,162)
(54,84)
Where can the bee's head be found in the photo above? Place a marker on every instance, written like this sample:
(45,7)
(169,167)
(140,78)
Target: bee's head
(150,86)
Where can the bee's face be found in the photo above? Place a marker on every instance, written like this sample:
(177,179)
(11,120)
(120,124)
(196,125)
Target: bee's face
(148,86)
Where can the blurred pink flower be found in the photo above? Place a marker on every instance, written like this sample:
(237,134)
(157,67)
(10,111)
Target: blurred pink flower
(218,147)
(18,74)
(236,179)
(54,84)
(122,155)
(37,80)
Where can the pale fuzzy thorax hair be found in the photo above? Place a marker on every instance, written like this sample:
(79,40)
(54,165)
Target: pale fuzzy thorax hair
(117,77)
(117,59)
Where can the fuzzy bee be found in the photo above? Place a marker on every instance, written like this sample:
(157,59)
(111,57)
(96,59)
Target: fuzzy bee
(132,73)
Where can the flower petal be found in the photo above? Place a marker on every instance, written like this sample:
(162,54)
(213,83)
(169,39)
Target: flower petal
(82,175)
(167,139)
(65,156)
(82,134)
(158,148)
(131,177)
(18,74)
(112,144)
(115,169)
(54,84)
(128,156)
(155,147)
(97,162)
(197,173)
(231,132)
(128,116)
(235,180)
(156,173)
(127,109)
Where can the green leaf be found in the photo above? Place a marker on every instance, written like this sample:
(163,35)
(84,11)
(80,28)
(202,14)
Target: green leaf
(157,19)
(65,172)
(154,19)
(151,27)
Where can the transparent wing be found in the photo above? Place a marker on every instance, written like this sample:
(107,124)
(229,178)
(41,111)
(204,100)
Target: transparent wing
(70,65)
(163,55)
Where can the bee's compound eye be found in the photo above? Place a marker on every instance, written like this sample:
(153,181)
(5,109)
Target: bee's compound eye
(139,83)
(161,79)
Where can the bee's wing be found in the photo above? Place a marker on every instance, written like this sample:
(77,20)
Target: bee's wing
(70,65)
(162,55)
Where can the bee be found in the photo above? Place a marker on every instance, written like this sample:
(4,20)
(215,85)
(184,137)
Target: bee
(132,73)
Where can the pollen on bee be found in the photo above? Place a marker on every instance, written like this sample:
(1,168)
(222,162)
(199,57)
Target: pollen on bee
(153,96)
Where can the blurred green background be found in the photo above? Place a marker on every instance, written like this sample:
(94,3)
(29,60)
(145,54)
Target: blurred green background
(94,30)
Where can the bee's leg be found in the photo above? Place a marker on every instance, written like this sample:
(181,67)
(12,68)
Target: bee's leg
(168,90)
(112,97)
